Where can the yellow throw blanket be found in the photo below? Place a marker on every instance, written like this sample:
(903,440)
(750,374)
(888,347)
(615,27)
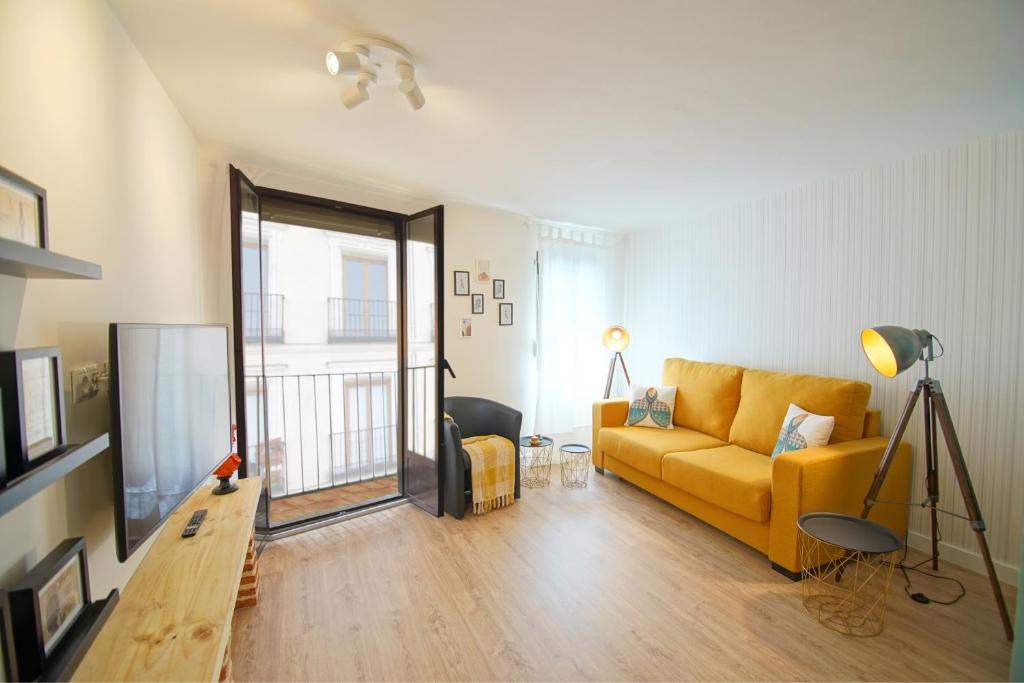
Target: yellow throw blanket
(493,471)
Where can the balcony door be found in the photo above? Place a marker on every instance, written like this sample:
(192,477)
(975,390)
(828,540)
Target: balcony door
(337,338)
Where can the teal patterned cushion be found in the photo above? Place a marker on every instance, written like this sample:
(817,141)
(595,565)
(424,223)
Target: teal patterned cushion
(802,429)
(651,406)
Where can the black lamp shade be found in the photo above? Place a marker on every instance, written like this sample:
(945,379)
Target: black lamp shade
(892,349)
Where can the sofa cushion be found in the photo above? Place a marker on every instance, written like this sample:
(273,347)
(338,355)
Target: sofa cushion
(731,477)
(643,447)
(707,396)
(765,396)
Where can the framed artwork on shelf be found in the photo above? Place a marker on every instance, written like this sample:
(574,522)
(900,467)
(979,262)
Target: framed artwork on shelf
(504,314)
(478,304)
(32,386)
(22,210)
(461,283)
(499,289)
(466,327)
(46,603)
(483,271)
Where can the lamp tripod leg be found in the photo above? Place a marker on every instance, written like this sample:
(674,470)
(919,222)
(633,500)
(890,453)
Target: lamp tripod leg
(956,456)
(624,370)
(931,470)
(611,373)
(890,450)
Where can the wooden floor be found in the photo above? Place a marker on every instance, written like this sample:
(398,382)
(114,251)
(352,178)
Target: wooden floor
(605,583)
(306,505)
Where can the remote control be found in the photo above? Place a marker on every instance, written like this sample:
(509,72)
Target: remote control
(193,524)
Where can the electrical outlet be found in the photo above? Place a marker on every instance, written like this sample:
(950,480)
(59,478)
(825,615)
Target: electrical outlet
(85,382)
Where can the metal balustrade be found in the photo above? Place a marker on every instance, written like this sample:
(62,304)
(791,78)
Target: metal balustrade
(273,317)
(363,320)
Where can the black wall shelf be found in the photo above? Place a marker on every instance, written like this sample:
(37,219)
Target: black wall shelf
(29,484)
(23,260)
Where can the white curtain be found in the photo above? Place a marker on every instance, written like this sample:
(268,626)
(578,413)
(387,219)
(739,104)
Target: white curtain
(580,294)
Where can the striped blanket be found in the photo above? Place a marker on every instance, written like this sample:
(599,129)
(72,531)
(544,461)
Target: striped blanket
(493,471)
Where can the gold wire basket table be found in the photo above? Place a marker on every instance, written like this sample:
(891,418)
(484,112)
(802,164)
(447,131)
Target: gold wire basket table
(535,462)
(847,569)
(575,459)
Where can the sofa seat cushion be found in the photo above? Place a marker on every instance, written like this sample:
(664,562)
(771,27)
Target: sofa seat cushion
(730,477)
(707,396)
(765,397)
(643,447)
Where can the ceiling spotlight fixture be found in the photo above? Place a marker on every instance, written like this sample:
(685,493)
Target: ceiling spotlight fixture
(407,84)
(368,59)
(359,91)
(345,61)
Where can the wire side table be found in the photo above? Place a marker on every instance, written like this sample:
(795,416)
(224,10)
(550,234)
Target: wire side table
(535,462)
(575,459)
(847,568)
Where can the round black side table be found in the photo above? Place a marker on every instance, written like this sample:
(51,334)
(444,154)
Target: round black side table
(535,462)
(847,568)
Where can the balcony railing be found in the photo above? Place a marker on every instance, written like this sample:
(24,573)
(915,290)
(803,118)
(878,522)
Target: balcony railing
(325,430)
(273,317)
(361,320)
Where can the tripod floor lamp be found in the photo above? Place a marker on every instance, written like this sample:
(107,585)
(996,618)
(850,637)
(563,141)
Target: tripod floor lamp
(892,350)
(616,339)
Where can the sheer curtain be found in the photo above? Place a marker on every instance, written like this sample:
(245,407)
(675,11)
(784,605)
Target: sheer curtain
(580,294)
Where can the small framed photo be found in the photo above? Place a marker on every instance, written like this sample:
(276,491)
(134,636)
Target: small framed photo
(46,603)
(499,289)
(461,283)
(22,210)
(466,327)
(478,304)
(483,271)
(504,314)
(32,385)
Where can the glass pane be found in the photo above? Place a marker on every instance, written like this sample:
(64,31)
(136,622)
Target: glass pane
(421,435)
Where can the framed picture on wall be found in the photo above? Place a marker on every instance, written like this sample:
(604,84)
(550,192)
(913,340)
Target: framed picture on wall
(33,408)
(499,289)
(483,271)
(46,603)
(504,314)
(22,210)
(478,304)
(466,327)
(461,283)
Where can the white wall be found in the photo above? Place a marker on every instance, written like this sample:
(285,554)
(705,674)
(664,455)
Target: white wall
(787,283)
(84,117)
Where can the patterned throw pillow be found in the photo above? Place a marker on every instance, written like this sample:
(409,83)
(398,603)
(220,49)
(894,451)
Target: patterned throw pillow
(651,406)
(802,429)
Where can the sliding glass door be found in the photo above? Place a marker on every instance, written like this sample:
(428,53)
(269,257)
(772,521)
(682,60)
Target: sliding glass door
(336,341)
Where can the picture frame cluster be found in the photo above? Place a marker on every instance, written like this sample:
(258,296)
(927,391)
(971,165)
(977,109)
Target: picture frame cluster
(464,281)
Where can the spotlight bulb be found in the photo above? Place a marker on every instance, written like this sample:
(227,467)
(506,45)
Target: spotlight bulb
(412,93)
(345,61)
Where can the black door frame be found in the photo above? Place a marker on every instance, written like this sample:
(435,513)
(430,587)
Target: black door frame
(236,177)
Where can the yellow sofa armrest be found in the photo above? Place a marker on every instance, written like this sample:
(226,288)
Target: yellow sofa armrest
(610,412)
(833,478)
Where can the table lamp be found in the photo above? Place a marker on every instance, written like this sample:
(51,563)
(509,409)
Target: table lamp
(616,339)
(891,350)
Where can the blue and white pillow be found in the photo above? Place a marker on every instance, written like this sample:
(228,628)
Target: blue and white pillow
(651,406)
(803,429)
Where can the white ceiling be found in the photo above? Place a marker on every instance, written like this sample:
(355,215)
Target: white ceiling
(612,113)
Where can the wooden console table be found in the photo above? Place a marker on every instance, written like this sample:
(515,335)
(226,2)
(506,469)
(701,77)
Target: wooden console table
(173,621)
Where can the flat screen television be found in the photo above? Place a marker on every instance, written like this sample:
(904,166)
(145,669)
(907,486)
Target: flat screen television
(170,412)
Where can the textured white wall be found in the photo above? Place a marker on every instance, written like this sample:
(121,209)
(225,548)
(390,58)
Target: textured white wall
(787,283)
(85,118)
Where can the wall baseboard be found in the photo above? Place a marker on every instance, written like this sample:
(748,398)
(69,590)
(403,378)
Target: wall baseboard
(968,559)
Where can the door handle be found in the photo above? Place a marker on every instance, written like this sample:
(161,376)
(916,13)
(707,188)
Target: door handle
(448,366)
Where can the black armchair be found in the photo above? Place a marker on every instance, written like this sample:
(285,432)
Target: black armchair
(473,417)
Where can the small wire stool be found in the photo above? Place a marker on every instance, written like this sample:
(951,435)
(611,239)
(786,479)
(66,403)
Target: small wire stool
(847,569)
(575,459)
(535,462)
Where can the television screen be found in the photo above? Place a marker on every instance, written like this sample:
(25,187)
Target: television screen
(171,420)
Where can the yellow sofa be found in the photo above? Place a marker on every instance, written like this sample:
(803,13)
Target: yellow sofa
(715,463)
